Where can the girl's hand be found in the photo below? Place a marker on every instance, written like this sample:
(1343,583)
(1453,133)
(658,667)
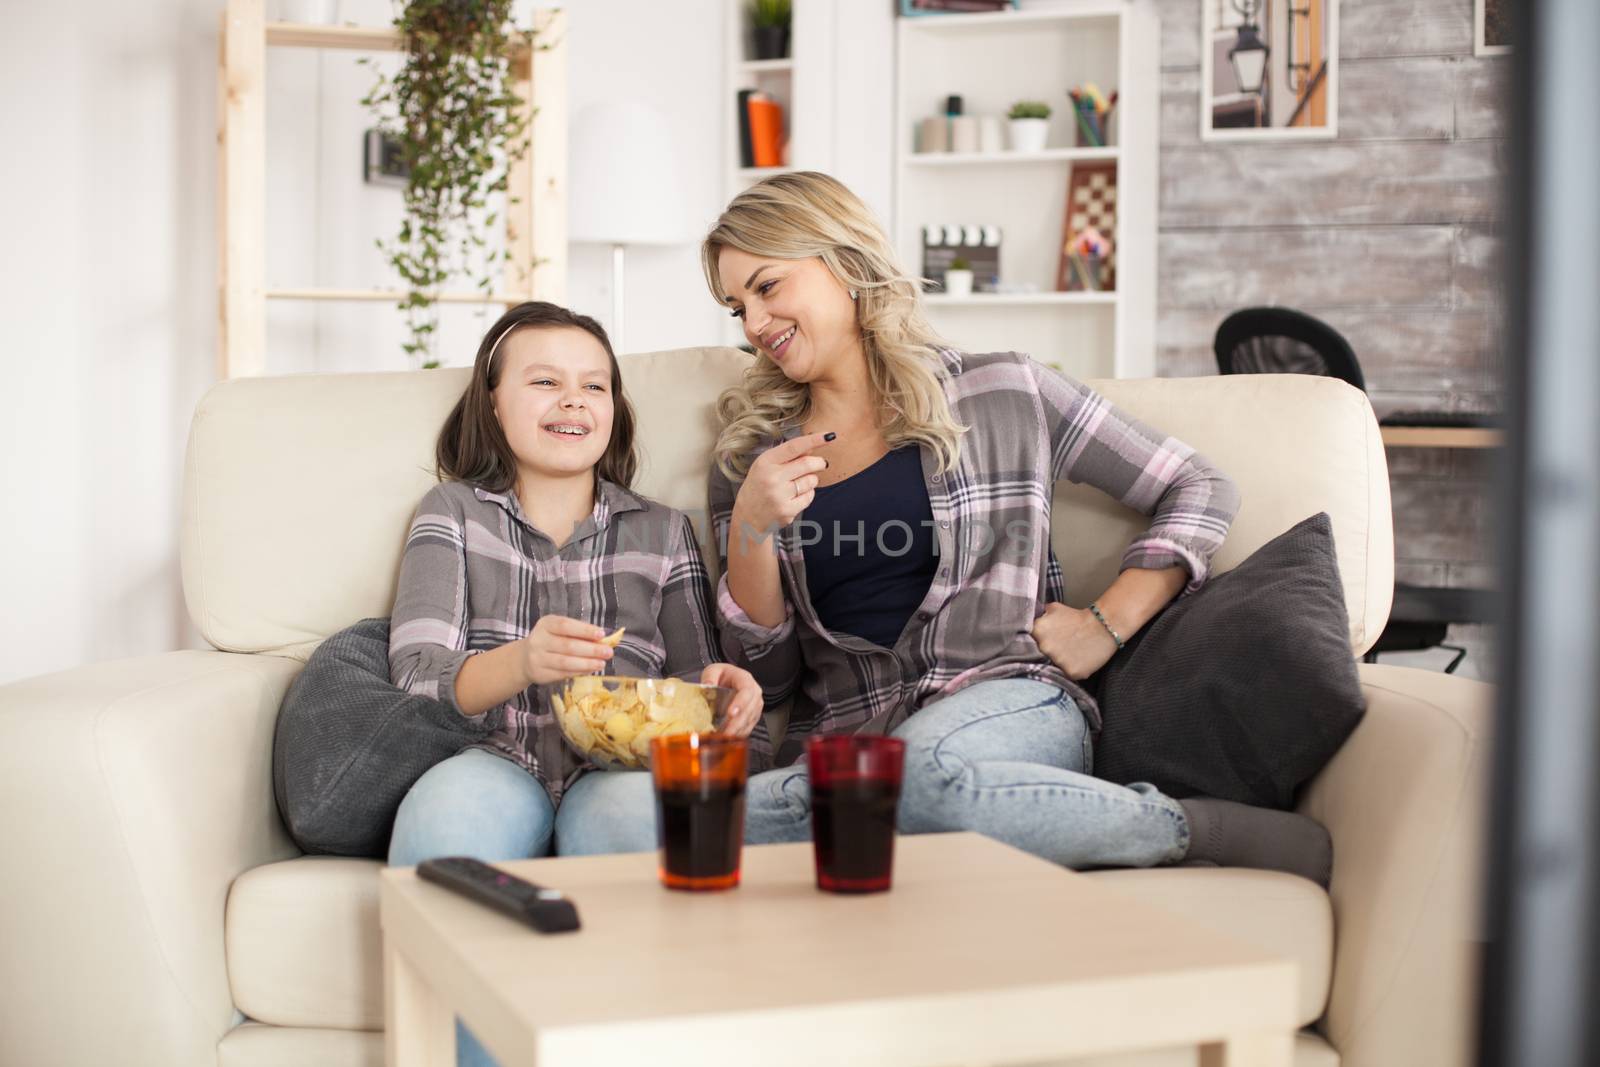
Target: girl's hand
(1073,639)
(748,702)
(780,485)
(558,647)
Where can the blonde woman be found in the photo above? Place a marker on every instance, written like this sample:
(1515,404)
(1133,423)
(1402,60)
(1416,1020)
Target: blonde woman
(884,503)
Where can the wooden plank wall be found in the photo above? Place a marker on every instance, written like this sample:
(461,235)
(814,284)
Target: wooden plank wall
(1388,233)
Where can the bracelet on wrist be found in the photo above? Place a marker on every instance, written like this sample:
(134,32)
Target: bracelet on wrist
(1094,609)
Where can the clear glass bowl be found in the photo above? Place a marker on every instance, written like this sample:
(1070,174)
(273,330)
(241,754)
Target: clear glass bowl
(612,718)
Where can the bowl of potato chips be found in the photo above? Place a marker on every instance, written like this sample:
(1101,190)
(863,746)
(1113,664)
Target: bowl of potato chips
(612,719)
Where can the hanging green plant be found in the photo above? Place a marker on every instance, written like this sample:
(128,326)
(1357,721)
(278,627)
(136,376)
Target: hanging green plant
(453,107)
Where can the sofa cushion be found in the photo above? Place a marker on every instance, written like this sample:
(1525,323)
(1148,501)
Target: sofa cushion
(304,947)
(349,744)
(1242,691)
(1273,911)
(259,1045)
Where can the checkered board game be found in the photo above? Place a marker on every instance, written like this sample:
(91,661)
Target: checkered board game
(1091,201)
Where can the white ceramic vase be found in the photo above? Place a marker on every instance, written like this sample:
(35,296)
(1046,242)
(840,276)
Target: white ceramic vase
(1028,135)
(958,282)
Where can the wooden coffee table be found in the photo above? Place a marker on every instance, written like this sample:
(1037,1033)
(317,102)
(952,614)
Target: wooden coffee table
(981,954)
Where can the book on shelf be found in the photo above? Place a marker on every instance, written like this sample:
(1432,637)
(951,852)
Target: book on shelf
(746,151)
(939,7)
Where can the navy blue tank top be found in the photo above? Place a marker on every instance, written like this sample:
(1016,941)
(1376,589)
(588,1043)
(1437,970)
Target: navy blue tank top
(869,548)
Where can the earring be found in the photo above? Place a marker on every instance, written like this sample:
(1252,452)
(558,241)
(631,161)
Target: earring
(854,294)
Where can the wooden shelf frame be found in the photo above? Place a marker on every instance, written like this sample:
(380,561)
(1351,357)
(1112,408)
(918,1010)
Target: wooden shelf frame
(1007,159)
(536,228)
(355,296)
(980,300)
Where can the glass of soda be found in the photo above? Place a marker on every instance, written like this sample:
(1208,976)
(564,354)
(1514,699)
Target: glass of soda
(855,790)
(699,780)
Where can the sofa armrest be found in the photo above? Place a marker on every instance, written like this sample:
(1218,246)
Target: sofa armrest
(132,793)
(1404,801)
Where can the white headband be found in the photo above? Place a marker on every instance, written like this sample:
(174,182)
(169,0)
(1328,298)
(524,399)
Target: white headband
(496,346)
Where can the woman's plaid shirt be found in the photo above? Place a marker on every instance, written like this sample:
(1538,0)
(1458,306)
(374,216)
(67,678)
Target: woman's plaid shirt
(1029,428)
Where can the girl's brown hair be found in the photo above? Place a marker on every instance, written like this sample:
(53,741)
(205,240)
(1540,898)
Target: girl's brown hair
(473,448)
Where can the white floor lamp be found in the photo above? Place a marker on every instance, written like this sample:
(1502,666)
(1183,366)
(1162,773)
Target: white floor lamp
(625,188)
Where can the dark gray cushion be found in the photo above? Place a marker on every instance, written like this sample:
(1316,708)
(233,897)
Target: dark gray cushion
(349,744)
(1243,690)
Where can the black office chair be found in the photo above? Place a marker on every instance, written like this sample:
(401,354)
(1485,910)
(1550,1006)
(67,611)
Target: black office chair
(1277,340)
(1284,341)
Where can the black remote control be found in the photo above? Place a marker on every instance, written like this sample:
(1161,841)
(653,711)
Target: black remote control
(546,910)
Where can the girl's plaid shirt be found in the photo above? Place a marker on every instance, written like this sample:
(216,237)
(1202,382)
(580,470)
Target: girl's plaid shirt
(476,574)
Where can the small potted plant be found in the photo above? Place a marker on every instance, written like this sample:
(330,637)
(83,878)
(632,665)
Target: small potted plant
(958,277)
(1030,125)
(770,18)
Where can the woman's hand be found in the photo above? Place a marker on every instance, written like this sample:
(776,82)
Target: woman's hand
(1073,639)
(779,486)
(748,702)
(558,647)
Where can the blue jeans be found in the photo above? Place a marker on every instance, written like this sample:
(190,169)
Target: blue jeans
(1012,760)
(473,804)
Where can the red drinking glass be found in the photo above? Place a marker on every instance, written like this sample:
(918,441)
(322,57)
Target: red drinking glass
(855,791)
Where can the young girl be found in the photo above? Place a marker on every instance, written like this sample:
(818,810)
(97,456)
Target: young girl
(528,552)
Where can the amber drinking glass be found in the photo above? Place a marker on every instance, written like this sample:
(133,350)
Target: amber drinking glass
(700,780)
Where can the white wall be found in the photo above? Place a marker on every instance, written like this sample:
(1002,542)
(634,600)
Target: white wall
(111,268)
(108,277)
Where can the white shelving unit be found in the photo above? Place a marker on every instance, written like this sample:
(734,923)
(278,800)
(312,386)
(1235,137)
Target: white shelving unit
(802,83)
(775,77)
(992,61)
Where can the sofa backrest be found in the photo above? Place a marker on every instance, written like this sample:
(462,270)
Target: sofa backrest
(298,490)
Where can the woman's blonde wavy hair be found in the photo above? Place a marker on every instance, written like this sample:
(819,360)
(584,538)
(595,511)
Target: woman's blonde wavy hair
(805,214)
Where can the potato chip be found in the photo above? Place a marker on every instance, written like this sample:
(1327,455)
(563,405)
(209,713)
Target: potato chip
(620,727)
(614,639)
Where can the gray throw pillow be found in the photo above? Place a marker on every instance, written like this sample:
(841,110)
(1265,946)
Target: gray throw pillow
(349,744)
(1243,690)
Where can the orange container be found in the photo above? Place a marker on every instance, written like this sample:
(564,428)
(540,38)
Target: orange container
(766,131)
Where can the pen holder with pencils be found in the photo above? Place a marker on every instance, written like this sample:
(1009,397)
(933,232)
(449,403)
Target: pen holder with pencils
(1084,267)
(1091,115)
(1085,274)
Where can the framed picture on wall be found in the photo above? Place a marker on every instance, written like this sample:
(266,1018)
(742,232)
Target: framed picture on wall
(1492,27)
(1269,69)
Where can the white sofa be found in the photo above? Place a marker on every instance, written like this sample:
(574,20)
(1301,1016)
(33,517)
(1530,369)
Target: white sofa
(158,914)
